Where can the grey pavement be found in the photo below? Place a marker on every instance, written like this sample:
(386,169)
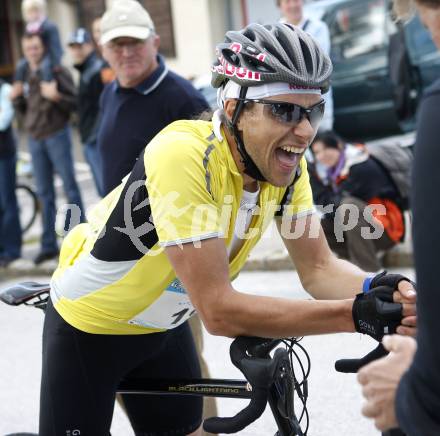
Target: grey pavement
(334,399)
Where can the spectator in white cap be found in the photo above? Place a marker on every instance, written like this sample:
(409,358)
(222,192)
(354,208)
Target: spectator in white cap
(144,89)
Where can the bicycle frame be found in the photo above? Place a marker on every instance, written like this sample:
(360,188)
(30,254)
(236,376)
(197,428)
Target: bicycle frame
(220,388)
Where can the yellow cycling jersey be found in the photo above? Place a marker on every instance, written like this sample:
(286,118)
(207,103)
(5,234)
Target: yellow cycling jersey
(113,275)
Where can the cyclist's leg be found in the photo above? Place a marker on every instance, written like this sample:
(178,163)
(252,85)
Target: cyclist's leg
(209,403)
(167,415)
(79,380)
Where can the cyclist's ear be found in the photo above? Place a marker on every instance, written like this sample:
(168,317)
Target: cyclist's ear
(229,108)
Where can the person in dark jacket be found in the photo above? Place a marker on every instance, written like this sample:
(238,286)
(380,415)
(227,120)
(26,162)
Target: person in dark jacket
(403,389)
(10,231)
(46,108)
(90,67)
(144,98)
(345,178)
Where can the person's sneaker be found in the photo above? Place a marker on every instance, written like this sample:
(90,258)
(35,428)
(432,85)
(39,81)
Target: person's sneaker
(43,256)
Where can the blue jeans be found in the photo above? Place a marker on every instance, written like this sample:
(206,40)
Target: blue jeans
(10,230)
(54,153)
(94,160)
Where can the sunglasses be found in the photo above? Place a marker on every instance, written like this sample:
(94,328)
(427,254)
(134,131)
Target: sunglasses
(291,113)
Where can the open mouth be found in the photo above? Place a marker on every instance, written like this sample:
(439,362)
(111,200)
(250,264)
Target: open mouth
(289,157)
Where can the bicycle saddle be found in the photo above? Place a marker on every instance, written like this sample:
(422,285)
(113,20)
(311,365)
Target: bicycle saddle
(21,293)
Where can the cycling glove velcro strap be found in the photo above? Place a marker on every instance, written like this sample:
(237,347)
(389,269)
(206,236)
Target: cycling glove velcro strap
(367,284)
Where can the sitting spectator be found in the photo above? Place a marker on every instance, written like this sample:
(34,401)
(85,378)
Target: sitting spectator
(345,175)
(89,65)
(10,231)
(34,15)
(46,108)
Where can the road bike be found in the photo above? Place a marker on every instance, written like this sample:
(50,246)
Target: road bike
(276,372)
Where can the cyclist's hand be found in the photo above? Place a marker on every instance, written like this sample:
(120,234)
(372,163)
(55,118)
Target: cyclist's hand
(375,313)
(405,293)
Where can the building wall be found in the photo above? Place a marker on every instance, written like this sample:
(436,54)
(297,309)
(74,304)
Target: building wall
(65,14)
(189,29)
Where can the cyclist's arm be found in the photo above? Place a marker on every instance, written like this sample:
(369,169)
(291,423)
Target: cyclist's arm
(322,274)
(204,272)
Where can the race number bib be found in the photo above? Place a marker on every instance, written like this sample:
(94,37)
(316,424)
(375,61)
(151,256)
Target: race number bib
(170,310)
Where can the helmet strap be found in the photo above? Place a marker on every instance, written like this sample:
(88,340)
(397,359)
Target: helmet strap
(250,168)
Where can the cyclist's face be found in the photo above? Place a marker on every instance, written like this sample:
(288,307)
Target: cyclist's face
(277,147)
(430,17)
(132,60)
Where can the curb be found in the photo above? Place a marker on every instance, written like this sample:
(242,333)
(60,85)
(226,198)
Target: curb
(283,262)
(279,262)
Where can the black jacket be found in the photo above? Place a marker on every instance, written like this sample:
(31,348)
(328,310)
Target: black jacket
(131,117)
(418,396)
(89,92)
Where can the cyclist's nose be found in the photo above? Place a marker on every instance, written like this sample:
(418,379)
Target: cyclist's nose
(304,127)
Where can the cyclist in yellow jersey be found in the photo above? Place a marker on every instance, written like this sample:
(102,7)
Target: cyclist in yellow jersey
(169,240)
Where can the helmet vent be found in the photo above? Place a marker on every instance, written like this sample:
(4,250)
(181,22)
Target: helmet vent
(307,56)
(250,34)
(231,57)
(256,65)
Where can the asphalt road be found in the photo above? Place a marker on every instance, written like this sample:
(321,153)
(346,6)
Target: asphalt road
(334,399)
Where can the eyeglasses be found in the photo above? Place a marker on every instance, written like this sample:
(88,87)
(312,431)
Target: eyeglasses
(118,46)
(291,113)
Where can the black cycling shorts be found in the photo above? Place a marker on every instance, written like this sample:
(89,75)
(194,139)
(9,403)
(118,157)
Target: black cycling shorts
(82,371)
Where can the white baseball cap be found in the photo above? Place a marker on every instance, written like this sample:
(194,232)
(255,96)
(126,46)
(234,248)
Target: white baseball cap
(126,18)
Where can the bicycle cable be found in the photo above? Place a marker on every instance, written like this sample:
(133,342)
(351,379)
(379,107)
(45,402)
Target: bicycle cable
(300,383)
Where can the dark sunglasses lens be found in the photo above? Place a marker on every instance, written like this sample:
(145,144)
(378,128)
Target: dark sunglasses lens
(286,112)
(316,114)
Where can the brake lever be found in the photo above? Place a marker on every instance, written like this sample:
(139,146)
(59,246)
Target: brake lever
(354,365)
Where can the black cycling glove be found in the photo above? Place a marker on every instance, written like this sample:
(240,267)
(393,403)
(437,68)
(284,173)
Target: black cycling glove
(385,279)
(375,313)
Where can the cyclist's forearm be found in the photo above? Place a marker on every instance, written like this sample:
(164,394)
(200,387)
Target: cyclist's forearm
(335,280)
(242,314)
